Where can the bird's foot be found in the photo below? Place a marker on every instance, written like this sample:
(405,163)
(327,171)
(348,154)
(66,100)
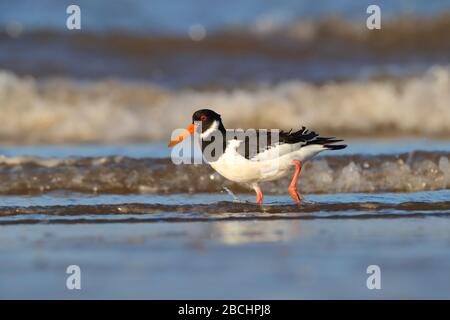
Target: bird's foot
(235,198)
(294,194)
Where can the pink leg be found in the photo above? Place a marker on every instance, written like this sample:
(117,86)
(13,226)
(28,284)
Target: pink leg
(293,186)
(259,194)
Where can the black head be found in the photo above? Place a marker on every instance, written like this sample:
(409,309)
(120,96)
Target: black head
(207,118)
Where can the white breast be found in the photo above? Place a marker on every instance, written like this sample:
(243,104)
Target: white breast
(269,165)
(235,167)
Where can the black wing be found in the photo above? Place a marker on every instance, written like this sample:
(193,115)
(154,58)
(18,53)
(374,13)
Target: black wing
(257,141)
(309,137)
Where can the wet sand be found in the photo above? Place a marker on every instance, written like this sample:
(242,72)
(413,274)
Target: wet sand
(228,259)
(221,211)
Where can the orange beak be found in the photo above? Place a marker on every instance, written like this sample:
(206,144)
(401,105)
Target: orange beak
(189,130)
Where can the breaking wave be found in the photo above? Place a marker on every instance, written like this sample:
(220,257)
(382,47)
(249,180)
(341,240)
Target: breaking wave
(415,171)
(62,110)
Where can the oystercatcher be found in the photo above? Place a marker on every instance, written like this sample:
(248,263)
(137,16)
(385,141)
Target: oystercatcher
(254,156)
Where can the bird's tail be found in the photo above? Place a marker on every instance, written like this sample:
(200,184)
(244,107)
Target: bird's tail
(335,146)
(328,143)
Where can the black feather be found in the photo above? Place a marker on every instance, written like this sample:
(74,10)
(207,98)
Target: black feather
(336,146)
(310,138)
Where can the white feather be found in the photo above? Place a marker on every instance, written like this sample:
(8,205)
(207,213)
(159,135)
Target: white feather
(271,164)
(210,130)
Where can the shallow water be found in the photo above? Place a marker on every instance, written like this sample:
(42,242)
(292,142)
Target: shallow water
(288,259)
(143,173)
(373,146)
(152,244)
(75,199)
(223,211)
(138,182)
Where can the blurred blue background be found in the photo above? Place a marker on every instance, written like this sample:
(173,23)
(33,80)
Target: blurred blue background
(162,16)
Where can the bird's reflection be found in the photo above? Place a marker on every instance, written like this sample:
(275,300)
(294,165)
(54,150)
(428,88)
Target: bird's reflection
(238,232)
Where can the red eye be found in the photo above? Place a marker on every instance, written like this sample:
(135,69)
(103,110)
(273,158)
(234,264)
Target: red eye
(203,117)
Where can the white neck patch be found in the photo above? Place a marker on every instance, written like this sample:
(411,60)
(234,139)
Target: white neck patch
(214,127)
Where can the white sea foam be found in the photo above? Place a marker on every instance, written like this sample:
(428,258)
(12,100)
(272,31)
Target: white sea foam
(61,110)
(415,171)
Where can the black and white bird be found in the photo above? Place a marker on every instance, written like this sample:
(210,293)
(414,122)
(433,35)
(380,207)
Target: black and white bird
(262,155)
